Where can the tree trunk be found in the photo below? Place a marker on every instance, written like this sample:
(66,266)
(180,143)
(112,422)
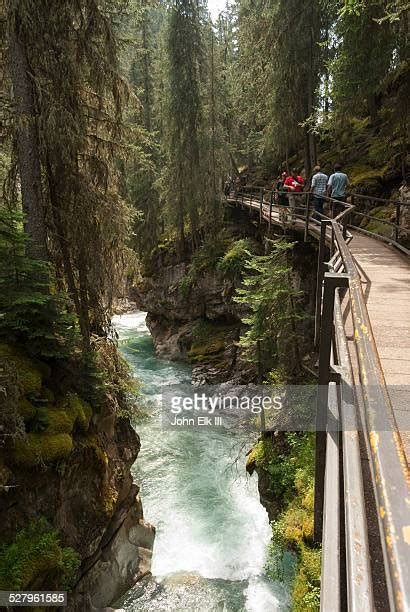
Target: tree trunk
(213,129)
(27,148)
(66,257)
(147,83)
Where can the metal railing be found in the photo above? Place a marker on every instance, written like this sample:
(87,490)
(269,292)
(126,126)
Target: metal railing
(351,402)
(385,449)
(267,202)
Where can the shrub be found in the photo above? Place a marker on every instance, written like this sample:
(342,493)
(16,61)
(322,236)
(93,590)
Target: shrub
(36,558)
(234,259)
(185,285)
(306,587)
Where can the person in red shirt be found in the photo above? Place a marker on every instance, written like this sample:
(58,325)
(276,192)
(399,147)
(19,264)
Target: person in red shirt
(293,184)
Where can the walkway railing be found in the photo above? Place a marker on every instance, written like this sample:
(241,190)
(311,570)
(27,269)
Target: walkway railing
(364,407)
(346,411)
(393,233)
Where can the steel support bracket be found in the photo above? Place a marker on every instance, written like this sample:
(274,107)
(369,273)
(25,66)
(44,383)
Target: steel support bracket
(331,282)
(335,374)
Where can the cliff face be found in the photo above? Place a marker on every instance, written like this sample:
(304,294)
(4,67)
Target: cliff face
(194,317)
(201,326)
(70,513)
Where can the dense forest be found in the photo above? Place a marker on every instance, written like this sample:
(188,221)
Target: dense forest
(120,121)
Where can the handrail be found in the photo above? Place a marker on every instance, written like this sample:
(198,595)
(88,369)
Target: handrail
(397,229)
(388,461)
(373,415)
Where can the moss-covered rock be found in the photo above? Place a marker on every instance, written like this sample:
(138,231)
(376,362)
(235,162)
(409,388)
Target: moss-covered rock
(35,448)
(29,372)
(94,443)
(5,474)
(376,224)
(26,409)
(361,174)
(199,352)
(209,340)
(69,412)
(110,497)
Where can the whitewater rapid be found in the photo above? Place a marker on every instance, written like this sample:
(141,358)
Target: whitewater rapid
(212,534)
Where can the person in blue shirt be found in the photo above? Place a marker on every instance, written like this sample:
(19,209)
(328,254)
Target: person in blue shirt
(318,187)
(337,186)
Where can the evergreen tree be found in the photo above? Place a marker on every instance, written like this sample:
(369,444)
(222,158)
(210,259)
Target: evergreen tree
(358,72)
(64,67)
(269,294)
(183,184)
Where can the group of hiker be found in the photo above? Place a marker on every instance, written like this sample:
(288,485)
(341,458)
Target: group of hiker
(288,185)
(321,186)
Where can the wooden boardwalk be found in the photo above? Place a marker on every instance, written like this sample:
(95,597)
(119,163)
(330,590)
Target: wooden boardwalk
(361,476)
(385,275)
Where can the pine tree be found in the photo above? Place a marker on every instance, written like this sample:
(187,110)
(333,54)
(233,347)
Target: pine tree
(269,294)
(77,131)
(182,182)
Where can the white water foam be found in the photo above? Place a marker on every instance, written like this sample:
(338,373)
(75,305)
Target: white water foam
(208,517)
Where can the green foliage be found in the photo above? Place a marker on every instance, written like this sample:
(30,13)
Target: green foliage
(357,70)
(306,588)
(36,559)
(30,308)
(268,293)
(234,259)
(207,256)
(79,134)
(292,472)
(185,285)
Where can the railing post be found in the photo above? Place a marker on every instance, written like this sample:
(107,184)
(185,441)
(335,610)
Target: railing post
(397,228)
(307,217)
(261,205)
(321,269)
(331,282)
(270,209)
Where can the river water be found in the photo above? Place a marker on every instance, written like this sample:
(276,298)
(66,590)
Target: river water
(212,533)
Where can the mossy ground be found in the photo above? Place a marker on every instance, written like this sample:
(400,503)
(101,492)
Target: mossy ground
(29,372)
(210,339)
(49,424)
(37,448)
(379,214)
(291,467)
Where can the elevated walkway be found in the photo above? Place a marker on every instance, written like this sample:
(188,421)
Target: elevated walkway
(385,276)
(362,331)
